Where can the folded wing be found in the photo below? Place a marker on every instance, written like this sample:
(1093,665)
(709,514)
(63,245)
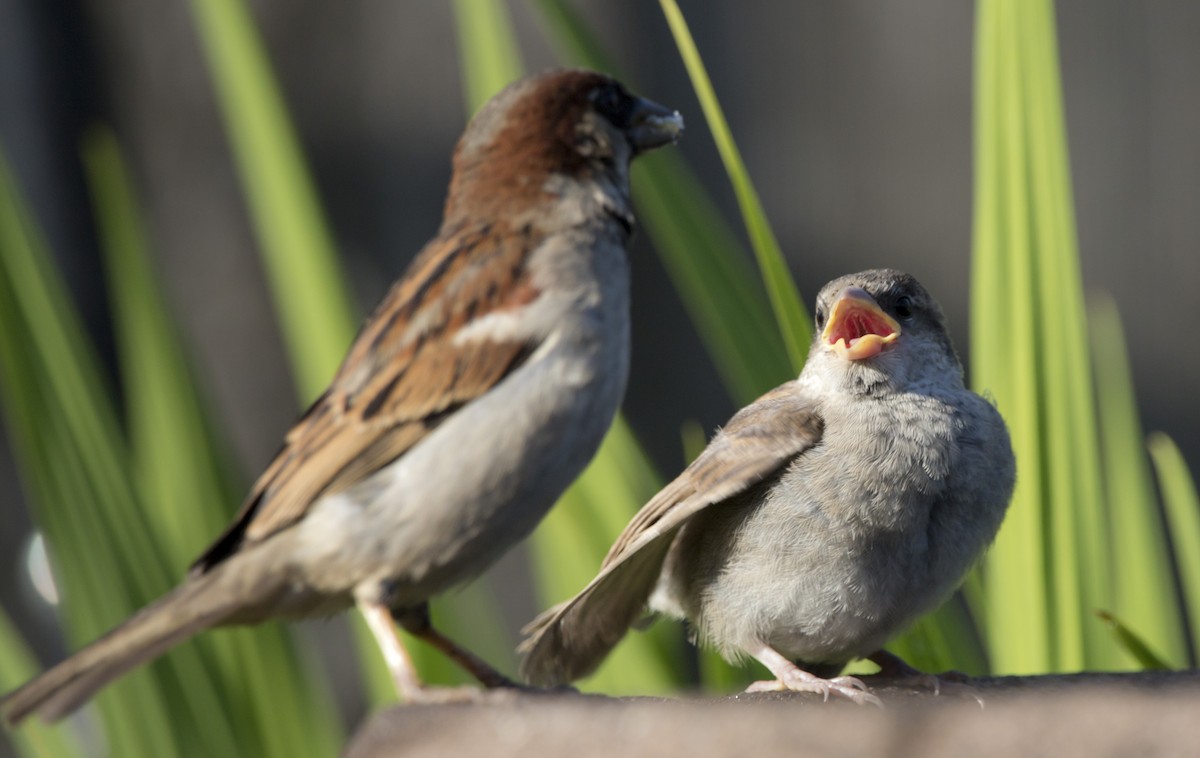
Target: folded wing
(571,639)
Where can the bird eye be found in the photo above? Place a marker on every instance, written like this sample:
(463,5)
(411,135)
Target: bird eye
(613,103)
(820,318)
(904,307)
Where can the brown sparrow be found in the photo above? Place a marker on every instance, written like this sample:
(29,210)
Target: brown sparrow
(476,392)
(823,519)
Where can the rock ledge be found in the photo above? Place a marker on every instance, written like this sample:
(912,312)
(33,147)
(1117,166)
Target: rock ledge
(1083,714)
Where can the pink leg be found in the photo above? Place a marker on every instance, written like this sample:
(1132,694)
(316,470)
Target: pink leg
(418,624)
(789,676)
(399,664)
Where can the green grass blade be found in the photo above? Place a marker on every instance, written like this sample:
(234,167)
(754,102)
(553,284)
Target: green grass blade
(179,471)
(74,463)
(1132,643)
(944,640)
(1004,348)
(175,456)
(1182,505)
(110,559)
(713,278)
(487,48)
(1144,583)
(151,372)
(1048,568)
(297,248)
(1066,603)
(790,313)
(17,665)
(1065,334)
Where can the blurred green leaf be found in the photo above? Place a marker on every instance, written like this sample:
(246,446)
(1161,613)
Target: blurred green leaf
(945,640)
(1134,644)
(487,48)
(73,462)
(1182,506)
(1143,580)
(309,290)
(112,552)
(790,313)
(172,442)
(1001,356)
(1030,352)
(17,664)
(178,470)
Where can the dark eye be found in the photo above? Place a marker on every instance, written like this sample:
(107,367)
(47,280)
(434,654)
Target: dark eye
(904,307)
(613,103)
(820,318)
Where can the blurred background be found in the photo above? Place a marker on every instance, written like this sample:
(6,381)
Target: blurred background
(854,118)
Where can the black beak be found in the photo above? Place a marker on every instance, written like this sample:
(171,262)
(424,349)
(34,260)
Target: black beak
(651,125)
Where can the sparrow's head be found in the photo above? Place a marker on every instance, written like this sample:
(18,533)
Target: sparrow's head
(880,329)
(574,125)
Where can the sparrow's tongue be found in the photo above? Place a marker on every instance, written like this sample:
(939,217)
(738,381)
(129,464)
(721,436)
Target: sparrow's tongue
(858,328)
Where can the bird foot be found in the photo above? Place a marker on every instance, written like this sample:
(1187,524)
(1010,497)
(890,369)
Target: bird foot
(895,672)
(948,684)
(789,676)
(800,680)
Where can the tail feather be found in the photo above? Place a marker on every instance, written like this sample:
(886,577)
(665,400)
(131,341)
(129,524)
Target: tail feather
(198,604)
(570,640)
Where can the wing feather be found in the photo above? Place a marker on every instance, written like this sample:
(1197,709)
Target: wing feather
(571,639)
(403,375)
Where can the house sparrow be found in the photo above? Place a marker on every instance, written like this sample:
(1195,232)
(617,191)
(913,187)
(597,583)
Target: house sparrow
(823,519)
(473,396)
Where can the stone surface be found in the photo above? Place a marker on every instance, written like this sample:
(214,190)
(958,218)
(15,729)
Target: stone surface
(1086,714)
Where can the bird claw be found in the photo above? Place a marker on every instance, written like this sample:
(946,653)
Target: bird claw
(849,687)
(789,676)
(896,673)
(939,685)
(851,681)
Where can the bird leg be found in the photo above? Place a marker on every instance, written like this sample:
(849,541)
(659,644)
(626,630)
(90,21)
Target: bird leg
(895,668)
(400,665)
(789,676)
(416,622)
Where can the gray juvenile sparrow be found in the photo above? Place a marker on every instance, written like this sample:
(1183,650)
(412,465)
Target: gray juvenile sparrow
(824,518)
(472,397)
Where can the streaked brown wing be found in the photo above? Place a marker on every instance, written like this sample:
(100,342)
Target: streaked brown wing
(402,376)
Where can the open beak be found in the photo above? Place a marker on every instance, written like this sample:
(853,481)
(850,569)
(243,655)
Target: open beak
(858,328)
(651,125)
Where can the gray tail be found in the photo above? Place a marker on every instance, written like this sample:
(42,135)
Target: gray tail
(197,604)
(570,640)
